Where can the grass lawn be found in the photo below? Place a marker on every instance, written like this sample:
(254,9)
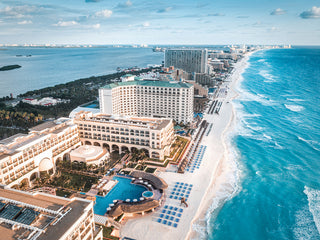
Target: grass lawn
(107,233)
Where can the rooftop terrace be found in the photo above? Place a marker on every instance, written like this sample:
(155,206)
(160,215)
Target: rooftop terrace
(24,215)
(150,83)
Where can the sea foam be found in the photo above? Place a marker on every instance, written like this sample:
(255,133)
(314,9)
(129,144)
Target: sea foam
(314,204)
(294,108)
(267,76)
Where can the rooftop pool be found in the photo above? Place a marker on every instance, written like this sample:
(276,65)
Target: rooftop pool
(122,191)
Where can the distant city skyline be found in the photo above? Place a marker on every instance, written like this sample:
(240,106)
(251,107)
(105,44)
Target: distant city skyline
(160,22)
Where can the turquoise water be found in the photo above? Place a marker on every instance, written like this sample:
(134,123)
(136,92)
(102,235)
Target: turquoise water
(94,104)
(277,142)
(147,194)
(122,191)
(50,66)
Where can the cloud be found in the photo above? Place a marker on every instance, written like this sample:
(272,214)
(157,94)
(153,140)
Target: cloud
(146,24)
(65,23)
(314,12)
(125,4)
(19,11)
(273,29)
(216,14)
(104,13)
(25,22)
(163,10)
(242,16)
(96,26)
(278,11)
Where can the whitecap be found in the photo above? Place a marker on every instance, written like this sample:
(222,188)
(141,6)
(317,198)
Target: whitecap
(314,144)
(295,99)
(304,227)
(267,76)
(313,196)
(294,108)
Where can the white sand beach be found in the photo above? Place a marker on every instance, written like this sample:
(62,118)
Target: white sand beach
(202,181)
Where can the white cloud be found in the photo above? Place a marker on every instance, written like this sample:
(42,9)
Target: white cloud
(25,22)
(314,12)
(278,11)
(19,11)
(96,26)
(146,24)
(104,13)
(65,23)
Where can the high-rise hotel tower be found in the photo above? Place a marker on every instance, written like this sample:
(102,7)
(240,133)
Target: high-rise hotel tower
(189,60)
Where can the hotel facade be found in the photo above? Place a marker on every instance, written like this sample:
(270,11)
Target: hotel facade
(149,98)
(153,135)
(24,156)
(190,60)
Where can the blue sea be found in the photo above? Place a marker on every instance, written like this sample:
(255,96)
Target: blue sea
(276,146)
(50,66)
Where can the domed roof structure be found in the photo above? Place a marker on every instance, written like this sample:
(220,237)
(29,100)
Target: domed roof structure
(45,165)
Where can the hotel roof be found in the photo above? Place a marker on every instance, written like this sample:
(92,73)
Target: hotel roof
(150,83)
(60,213)
(145,122)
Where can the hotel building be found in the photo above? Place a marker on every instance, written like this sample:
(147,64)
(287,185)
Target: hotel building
(190,60)
(149,98)
(46,217)
(153,135)
(24,156)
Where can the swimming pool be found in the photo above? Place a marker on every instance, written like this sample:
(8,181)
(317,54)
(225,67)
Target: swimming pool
(94,104)
(122,191)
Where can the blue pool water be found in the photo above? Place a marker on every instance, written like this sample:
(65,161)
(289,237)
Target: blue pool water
(122,191)
(93,105)
(147,194)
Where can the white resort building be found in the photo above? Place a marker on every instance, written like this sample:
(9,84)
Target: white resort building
(148,98)
(154,135)
(24,156)
(46,217)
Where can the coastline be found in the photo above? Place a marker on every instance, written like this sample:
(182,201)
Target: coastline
(203,179)
(220,189)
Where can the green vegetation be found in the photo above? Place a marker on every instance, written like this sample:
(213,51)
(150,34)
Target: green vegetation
(107,233)
(150,170)
(9,67)
(63,193)
(12,122)
(73,181)
(78,92)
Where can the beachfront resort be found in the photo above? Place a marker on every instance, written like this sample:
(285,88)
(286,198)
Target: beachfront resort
(138,157)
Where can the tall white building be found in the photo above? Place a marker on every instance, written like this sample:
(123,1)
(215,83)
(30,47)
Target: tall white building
(149,99)
(189,60)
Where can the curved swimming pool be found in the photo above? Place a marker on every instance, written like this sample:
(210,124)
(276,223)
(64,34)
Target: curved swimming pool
(122,191)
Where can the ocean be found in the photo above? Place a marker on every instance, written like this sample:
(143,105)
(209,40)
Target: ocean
(276,151)
(50,66)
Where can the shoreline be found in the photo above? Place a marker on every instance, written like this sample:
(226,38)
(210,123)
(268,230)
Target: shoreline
(210,169)
(200,221)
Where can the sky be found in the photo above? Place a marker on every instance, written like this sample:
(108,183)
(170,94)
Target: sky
(155,22)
